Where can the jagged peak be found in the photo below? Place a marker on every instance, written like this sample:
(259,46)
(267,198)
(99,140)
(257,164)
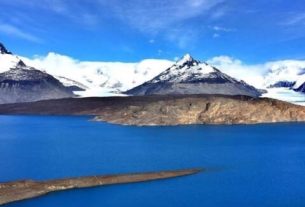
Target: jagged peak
(3,50)
(187,59)
(21,64)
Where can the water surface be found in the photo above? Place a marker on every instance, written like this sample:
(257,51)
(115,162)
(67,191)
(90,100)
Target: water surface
(256,165)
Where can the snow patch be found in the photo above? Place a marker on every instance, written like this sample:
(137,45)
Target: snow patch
(287,95)
(8,61)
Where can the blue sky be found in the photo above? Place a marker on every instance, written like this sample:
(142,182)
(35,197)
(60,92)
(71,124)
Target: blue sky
(131,30)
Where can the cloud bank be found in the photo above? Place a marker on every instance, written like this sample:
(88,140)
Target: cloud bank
(258,75)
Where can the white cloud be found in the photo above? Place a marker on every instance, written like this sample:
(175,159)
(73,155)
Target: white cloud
(295,19)
(252,74)
(154,16)
(222,29)
(160,52)
(76,11)
(99,76)
(262,75)
(14,31)
(104,78)
(216,35)
(219,13)
(183,38)
(258,75)
(165,19)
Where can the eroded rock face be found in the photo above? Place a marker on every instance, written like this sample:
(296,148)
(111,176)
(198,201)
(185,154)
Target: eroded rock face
(168,110)
(209,110)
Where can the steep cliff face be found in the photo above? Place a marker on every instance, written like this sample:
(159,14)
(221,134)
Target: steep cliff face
(189,76)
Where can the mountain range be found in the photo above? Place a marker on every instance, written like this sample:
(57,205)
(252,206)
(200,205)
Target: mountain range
(147,77)
(288,76)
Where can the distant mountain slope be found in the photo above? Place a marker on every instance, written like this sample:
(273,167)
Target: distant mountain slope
(282,84)
(25,84)
(3,50)
(189,76)
(71,84)
(8,61)
(300,88)
(90,78)
(287,74)
(100,78)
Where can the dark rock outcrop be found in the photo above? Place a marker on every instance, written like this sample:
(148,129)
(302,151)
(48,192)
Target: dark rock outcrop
(189,76)
(283,84)
(301,88)
(3,50)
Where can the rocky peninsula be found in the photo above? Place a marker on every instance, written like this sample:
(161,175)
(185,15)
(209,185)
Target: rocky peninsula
(167,110)
(21,190)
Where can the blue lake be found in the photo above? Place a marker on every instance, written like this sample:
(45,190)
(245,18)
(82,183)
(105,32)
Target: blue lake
(256,165)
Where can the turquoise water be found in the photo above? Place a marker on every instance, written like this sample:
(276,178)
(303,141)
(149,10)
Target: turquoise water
(261,165)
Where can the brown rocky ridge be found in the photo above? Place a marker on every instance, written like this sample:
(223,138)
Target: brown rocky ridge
(168,110)
(21,190)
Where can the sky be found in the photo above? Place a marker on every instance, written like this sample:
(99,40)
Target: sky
(132,30)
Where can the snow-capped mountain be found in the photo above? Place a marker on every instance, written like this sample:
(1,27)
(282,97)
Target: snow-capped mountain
(26,84)
(21,83)
(286,74)
(283,84)
(100,78)
(189,76)
(7,59)
(90,78)
(71,84)
(284,80)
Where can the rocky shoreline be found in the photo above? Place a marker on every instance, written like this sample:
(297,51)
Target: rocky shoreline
(21,190)
(168,110)
(210,110)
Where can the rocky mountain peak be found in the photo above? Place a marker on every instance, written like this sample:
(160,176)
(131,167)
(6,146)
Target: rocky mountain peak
(3,50)
(189,76)
(187,69)
(21,64)
(187,60)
